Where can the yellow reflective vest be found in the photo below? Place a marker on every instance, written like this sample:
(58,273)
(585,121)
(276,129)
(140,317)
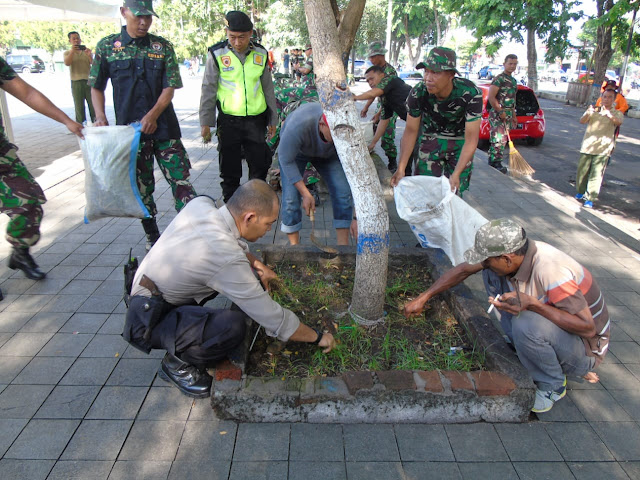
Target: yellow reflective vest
(239,88)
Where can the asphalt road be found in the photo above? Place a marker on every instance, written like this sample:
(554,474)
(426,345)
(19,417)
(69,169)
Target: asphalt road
(556,159)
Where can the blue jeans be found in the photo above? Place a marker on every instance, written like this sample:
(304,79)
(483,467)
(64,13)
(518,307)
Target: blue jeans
(331,171)
(547,351)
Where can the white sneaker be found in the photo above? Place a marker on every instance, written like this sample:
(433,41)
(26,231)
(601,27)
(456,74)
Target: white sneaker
(545,399)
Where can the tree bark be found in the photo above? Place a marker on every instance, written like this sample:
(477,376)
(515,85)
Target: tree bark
(349,22)
(603,52)
(532,59)
(373,220)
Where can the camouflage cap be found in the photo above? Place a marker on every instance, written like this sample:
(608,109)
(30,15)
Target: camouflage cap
(440,59)
(495,238)
(376,48)
(140,7)
(308,46)
(237,21)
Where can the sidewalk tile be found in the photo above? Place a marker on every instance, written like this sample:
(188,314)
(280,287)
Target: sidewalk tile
(43,439)
(578,442)
(201,409)
(25,469)
(114,324)
(165,404)
(629,299)
(629,400)
(432,470)
(492,470)
(632,469)
(375,443)
(45,322)
(262,442)
(76,263)
(10,367)
(25,344)
(202,439)
(117,403)
(22,401)
(475,442)
(626,352)
(132,470)
(630,326)
(48,286)
(44,371)
(369,470)
(97,440)
(67,272)
(100,303)
(599,406)
(66,345)
(17,286)
(65,303)
(68,402)
(84,323)
(542,470)
(110,287)
(317,470)
(89,371)
(617,377)
(95,273)
(89,248)
(80,470)
(420,443)
(105,346)
(133,352)
(527,442)
(621,438)
(10,428)
(316,442)
(11,322)
(4,338)
(206,469)
(597,471)
(152,440)
(134,372)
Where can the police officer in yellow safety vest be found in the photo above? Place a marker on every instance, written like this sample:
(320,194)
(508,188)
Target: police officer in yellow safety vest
(238,82)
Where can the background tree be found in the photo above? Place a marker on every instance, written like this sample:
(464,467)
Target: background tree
(497,20)
(338,105)
(421,20)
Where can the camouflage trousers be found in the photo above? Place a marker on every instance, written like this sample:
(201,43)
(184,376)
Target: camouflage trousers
(438,157)
(174,164)
(20,198)
(498,139)
(388,141)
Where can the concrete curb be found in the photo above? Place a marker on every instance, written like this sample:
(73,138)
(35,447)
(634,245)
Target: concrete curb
(634,111)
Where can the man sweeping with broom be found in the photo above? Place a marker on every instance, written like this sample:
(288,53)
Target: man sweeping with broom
(502,115)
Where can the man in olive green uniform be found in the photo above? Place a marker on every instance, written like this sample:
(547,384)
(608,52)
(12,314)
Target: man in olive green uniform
(78,59)
(144,74)
(20,195)
(377,57)
(448,109)
(502,114)
(237,83)
(306,68)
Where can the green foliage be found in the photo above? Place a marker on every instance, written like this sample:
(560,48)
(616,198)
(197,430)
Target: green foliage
(285,24)
(620,37)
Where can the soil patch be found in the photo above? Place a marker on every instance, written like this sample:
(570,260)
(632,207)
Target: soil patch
(320,296)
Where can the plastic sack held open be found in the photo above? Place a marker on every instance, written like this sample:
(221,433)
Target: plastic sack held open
(110,184)
(438,217)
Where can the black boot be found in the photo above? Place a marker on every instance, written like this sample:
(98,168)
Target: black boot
(151,230)
(189,380)
(498,166)
(20,258)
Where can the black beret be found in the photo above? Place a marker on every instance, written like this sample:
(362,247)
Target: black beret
(238,21)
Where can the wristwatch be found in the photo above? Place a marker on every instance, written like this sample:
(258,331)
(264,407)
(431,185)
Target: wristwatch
(320,335)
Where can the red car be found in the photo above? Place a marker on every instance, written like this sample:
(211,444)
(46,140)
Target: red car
(531,123)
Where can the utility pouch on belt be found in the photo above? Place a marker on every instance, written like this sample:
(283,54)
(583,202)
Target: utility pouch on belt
(130,269)
(156,305)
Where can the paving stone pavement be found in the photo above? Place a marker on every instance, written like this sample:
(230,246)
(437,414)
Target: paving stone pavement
(77,402)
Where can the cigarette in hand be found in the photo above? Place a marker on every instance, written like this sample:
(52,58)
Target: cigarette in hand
(497,297)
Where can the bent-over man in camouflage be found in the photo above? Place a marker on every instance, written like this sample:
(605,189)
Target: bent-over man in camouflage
(20,195)
(502,113)
(144,74)
(449,109)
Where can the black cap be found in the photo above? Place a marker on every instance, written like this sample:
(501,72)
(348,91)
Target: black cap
(237,21)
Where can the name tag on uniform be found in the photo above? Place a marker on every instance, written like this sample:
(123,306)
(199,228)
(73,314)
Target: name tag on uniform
(258,59)
(227,69)
(155,55)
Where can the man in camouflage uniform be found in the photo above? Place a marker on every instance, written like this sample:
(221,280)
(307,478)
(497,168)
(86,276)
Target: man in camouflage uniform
(376,56)
(144,74)
(306,70)
(502,115)
(20,195)
(449,109)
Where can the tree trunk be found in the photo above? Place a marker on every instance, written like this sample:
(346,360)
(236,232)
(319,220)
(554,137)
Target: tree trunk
(348,23)
(532,59)
(437,22)
(603,52)
(373,220)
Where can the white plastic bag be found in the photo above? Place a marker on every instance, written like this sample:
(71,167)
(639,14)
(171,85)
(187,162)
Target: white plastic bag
(110,184)
(438,217)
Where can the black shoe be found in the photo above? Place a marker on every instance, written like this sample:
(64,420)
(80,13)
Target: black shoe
(189,380)
(20,258)
(151,230)
(498,166)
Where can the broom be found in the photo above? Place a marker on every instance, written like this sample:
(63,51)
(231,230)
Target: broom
(518,166)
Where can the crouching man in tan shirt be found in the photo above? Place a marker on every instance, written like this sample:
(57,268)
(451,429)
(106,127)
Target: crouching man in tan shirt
(200,254)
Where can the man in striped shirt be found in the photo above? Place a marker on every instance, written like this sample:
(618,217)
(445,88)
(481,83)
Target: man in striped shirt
(551,308)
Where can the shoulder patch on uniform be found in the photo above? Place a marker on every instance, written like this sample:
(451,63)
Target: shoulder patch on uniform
(226,60)
(258,59)
(157,46)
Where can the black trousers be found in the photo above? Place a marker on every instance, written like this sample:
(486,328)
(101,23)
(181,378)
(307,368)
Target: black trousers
(238,137)
(197,335)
